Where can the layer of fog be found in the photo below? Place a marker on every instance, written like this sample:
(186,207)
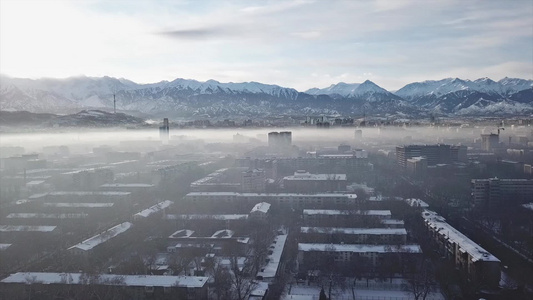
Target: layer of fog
(83,140)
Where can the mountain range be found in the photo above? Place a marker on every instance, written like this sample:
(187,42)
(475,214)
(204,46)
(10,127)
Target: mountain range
(184,98)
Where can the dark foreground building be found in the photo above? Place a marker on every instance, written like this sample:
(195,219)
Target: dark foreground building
(35,285)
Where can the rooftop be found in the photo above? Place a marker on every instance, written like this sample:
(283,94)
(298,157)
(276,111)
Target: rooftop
(346,212)
(108,279)
(332,230)
(126,185)
(456,237)
(26,228)
(207,217)
(153,209)
(359,248)
(261,207)
(274,259)
(46,216)
(78,205)
(324,195)
(103,237)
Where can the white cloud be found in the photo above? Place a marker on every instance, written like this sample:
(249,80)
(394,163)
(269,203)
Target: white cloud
(299,44)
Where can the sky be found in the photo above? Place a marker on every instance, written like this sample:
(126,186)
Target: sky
(291,43)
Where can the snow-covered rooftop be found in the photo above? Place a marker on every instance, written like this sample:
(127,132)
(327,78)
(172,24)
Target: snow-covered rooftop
(262,207)
(103,237)
(271,268)
(153,209)
(108,279)
(182,233)
(301,176)
(359,248)
(46,216)
(371,231)
(4,246)
(78,205)
(235,194)
(26,228)
(206,217)
(223,233)
(528,205)
(416,203)
(346,212)
(127,185)
(456,237)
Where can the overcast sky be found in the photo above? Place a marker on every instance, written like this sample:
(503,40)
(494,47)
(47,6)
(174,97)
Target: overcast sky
(299,44)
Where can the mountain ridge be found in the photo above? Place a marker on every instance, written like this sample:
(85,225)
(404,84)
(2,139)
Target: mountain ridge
(189,98)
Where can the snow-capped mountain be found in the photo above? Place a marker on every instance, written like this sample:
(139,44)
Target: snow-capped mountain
(504,87)
(341,89)
(212,99)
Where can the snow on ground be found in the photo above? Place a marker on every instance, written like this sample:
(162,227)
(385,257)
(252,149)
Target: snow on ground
(374,291)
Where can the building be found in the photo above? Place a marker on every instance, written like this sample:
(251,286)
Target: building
(90,179)
(330,214)
(475,262)
(293,200)
(493,192)
(134,286)
(303,181)
(337,235)
(434,154)
(416,165)
(490,141)
(240,179)
(281,139)
(164,131)
(218,243)
(342,253)
(253,181)
(87,246)
(260,211)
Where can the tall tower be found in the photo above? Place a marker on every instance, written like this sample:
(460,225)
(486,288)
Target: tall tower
(114,105)
(164,131)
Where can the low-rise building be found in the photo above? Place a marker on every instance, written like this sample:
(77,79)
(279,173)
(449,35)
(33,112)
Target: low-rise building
(336,235)
(136,286)
(303,181)
(474,261)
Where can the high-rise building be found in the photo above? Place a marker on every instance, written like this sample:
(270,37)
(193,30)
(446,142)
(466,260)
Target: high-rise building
(280,139)
(164,131)
(434,154)
(490,141)
(493,192)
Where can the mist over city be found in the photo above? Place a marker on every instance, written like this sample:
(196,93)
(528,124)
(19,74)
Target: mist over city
(265,150)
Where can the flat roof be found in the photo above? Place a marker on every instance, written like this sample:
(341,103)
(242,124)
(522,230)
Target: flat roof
(207,217)
(332,230)
(317,177)
(416,203)
(359,248)
(261,207)
(4,246)
(528,205)
(274,259)
(455,236)
(103,237)
(127,185)
(153,209)
(26,228)
(108,279)
(346,212)
(46,216)
(78,205)
(323,195)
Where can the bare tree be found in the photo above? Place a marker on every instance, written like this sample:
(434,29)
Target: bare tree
(420,280)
